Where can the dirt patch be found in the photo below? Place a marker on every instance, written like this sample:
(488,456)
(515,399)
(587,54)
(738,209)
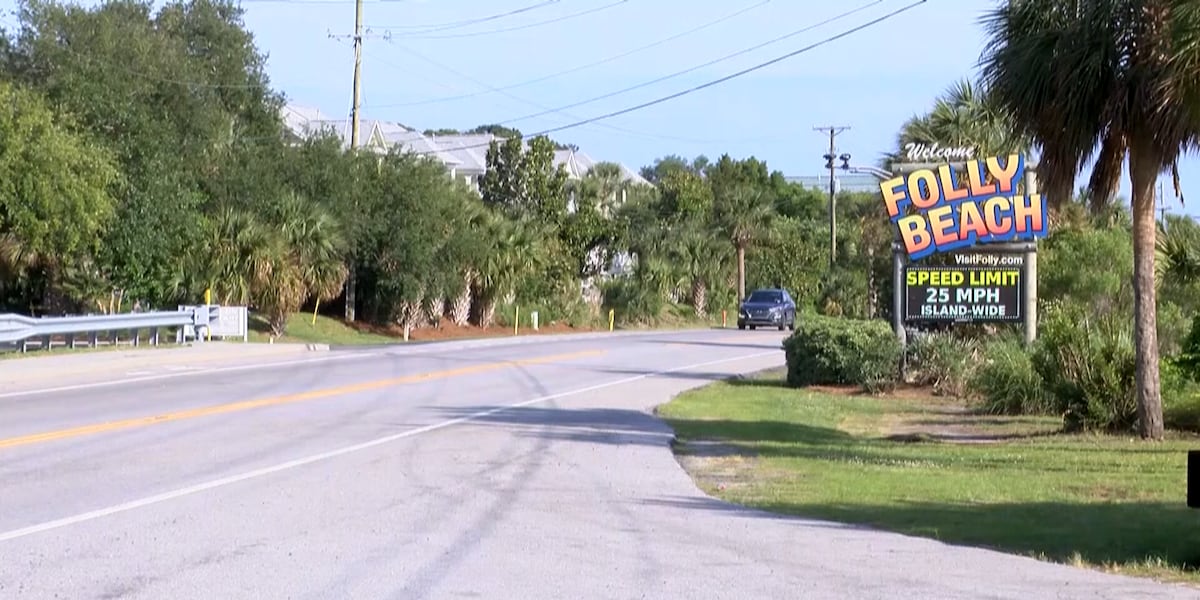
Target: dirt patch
(960,425)
(450,331)
(902,392)
(715,466)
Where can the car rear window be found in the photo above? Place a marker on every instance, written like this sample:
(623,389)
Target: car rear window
(764,297)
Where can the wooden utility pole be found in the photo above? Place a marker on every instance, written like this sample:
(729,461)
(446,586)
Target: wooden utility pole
(355,117)
(833,131)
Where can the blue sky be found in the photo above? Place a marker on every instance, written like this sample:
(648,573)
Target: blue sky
(871,80)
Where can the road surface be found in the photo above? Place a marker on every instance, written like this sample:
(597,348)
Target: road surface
(511,472)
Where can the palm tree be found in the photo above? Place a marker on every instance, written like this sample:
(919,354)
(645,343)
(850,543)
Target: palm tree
(515,253)
(700,258)
(305,257)
(1122,76)
(963,116)
(742,213)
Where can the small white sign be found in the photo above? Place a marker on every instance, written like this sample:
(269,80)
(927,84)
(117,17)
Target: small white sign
(925,152)
(231,321)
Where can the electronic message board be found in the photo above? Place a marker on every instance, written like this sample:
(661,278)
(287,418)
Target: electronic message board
(962,294)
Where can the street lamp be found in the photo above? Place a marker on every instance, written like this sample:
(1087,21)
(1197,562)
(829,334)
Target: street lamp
(880,174)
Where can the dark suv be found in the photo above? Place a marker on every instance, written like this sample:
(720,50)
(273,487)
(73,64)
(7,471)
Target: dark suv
(770,307)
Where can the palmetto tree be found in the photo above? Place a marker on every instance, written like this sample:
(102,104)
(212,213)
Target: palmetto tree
(1120,76)
(743,213)
(515,252)
(700,257)
(963,116)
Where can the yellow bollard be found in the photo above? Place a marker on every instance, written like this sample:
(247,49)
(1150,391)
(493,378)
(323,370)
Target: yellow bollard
(612,313)
(208,301)
(516,319)
(316,307)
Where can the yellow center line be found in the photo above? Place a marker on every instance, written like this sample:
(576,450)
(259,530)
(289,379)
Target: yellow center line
(278,400)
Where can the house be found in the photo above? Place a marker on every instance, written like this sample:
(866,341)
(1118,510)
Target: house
(464,155)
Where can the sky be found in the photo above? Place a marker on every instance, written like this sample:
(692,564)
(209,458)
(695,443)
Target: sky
(424,67)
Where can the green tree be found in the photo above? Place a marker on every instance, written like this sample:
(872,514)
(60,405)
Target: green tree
(685,195)
(1121,75)
(55,187)
(170,94)
(525,182)
(742,213)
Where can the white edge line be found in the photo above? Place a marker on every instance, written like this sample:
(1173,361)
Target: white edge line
(350,353)
(179,374)
(300,462)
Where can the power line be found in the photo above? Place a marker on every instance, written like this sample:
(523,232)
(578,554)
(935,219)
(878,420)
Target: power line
(519,27)
(536,104)
(431,28)
(707,64)
(585,66)
(721,80)
(327,2)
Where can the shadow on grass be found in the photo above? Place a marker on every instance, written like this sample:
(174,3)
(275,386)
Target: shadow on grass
(1099,533)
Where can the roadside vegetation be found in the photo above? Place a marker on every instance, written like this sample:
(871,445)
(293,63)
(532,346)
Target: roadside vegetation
(941,468)
(172,172)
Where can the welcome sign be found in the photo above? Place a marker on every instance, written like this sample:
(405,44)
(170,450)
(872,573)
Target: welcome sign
(939,210)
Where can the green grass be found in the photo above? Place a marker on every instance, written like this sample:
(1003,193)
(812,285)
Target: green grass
(301,329)
(1101,501)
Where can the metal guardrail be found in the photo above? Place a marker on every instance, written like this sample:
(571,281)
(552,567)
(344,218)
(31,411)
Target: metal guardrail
(16,328)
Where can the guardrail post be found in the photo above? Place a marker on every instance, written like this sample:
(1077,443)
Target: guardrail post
(94,339)
(46,342)
(154,336)
(71,342)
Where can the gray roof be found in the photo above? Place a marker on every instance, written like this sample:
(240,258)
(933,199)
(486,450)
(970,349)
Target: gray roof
(466,153)
(843,182)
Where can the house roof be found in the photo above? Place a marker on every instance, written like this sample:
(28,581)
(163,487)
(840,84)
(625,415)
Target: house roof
(466,153)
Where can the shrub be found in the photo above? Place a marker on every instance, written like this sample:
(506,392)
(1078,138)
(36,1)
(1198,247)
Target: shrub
(1181,398)
(1087,363)
(943,361)
(1189,355)
(833,351)
(1006,382)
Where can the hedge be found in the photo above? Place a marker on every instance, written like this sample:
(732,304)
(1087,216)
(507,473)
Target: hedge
(835,351)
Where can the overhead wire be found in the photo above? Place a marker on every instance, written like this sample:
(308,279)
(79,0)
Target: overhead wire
(579,68)
(431,28)
(529,102)
(710,63)
(574,15)
(715,82)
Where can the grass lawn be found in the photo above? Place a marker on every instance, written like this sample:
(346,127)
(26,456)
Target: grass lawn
(301,329)
(929,467)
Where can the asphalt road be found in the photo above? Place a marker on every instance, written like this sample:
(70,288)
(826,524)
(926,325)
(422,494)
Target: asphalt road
(511,472)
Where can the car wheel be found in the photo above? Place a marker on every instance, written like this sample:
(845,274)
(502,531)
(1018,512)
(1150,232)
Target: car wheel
(781,326)
(753,327)
(792,326)
(741,325)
